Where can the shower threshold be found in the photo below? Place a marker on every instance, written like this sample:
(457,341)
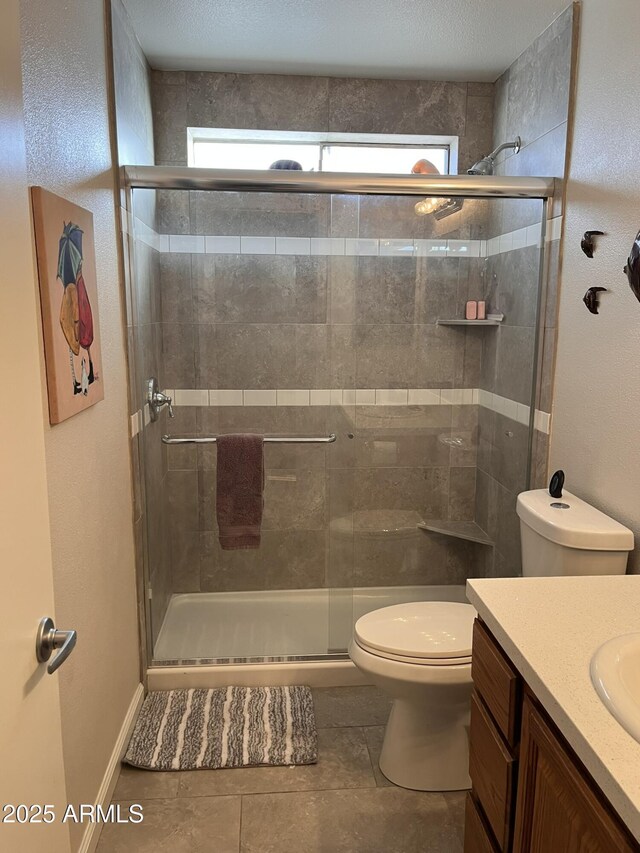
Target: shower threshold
(275,626)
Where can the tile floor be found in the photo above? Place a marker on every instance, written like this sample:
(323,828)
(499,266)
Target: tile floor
(342,804)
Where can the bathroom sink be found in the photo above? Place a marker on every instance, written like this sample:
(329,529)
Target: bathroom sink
(615,673)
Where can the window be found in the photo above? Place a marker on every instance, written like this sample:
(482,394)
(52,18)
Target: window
(338,152)
(380,159)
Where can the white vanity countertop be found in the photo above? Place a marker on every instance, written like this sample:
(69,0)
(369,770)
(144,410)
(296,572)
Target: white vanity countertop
(550,628)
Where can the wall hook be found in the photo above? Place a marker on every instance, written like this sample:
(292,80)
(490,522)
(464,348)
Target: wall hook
(590,298)
(587,245)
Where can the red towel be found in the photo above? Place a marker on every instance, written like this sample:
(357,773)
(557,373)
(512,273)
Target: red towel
(240,484)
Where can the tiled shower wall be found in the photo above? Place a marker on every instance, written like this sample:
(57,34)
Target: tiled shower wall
(301,322)
(532,100)
(345,105)
(131,89)
(228,322)
(236,321)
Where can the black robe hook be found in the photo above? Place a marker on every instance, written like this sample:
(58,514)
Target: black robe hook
(590,298)
(587,245)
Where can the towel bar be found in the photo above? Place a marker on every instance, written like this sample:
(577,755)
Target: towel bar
(275,439)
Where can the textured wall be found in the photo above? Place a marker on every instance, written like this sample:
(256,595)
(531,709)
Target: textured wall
(532,100)
(597,396)
(88,460)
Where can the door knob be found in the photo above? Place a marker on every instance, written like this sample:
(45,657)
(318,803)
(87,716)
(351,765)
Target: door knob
(49,639)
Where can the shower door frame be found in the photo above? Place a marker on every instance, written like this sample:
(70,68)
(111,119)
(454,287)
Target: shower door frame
(340,183)
(281,181)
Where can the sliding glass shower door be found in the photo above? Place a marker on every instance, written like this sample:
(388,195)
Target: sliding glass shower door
(321,314)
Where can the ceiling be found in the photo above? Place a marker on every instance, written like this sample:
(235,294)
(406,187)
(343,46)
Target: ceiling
(428,39)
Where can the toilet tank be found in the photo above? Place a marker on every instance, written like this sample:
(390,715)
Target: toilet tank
(566,536)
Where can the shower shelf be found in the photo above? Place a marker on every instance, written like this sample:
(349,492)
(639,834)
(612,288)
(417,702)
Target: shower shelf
(468,530)
(456,322)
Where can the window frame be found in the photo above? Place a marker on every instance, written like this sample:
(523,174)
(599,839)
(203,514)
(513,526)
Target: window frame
(323,140)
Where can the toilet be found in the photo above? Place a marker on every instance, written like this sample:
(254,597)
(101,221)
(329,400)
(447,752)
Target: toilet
(420,653)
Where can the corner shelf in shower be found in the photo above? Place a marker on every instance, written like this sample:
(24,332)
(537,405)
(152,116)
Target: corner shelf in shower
(456,322)
(468,530)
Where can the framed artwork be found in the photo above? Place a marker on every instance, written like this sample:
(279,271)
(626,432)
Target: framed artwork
(65,251)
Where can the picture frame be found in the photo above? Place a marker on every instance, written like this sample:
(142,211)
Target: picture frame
(65,251)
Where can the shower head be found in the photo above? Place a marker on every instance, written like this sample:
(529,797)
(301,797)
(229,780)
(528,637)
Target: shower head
(485,166)
(482,167)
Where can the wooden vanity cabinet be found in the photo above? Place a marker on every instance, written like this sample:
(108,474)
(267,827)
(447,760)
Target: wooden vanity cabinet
(492,768)
(559,806)
(494,741)
(530,793)
(497,682)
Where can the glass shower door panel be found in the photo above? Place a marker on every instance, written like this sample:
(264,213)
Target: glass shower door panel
(441,421)
(247,331)
(309,315)
(515,292)
(342,266)
(152,522)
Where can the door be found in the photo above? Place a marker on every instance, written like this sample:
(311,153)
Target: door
(30,730)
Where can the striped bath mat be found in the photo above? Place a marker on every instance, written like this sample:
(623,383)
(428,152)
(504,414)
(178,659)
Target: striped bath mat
(224,727)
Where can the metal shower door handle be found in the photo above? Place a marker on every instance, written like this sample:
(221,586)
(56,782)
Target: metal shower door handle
(156,400)
(49,639)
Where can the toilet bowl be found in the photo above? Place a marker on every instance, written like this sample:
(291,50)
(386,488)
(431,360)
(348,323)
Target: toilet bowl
(420,654)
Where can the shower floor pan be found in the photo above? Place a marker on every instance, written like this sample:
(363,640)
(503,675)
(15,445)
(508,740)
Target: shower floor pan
(270,626)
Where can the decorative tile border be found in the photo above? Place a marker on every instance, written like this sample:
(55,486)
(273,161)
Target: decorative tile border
(350,397)
(327,397)
(338,246)
(139,420)
(542,421)
(509,408)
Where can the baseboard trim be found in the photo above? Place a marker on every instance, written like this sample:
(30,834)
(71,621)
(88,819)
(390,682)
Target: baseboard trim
(105,792)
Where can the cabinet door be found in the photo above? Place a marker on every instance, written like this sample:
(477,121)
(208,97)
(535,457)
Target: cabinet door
(559,808)
(477,836)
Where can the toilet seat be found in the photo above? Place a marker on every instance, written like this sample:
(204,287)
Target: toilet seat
(420,661)
(426,633)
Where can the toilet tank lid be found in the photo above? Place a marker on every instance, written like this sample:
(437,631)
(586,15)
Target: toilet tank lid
(572,522)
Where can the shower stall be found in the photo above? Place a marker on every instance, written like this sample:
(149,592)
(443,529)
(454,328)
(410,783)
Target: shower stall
(321,312)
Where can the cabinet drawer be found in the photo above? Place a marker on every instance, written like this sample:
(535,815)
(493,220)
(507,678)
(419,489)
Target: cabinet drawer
(492,771)
(497,682)
(477,836)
